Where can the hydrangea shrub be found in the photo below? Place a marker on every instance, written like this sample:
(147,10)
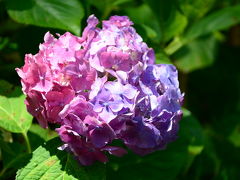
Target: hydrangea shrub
(101,87)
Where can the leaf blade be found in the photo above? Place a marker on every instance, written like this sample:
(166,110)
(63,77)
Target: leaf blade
(65,15)
(216,21)
(13,114)
(197,54)
(49,163)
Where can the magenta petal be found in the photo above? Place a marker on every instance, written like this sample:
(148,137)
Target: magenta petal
(49,38)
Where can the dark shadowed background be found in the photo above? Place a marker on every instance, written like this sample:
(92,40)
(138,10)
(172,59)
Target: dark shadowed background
(200,37)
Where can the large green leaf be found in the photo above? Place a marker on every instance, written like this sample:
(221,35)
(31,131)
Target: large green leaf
(49,163)
(175,25)
(65,15)
(171,21)
(13,114)
(164,164)
(216,21)
(219,20)
(197,54)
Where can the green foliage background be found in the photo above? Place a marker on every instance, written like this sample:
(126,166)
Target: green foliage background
(200,37)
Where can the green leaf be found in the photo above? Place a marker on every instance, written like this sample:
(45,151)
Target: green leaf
(175,26)
(7,89)
(48,162)
(38,135)
(195,150)
(148,22)
(219,20)
(102,5)
(197,54)
(45,134)
(3,42)
(13,114)
(234,137)
(164,164)
(191,130)
(170,20)
(14,156)
(107,4)
(216,21)
(195,9)
(6,135)
(120,2)
(15,163)
(65,15)
(162,58)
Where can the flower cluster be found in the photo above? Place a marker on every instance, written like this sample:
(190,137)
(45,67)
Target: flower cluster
(100,87)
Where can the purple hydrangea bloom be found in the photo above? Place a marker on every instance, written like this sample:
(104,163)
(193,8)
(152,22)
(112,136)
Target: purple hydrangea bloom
(114,99)
(157,110)
(101,87)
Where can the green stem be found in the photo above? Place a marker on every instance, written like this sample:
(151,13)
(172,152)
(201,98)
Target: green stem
(176,44)
(188,164)
(3,171)
(29,150)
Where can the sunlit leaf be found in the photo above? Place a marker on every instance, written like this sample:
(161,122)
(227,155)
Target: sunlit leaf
(162,58)
(13,114)
(216,21)
(197,54)
(48,162)
(65,15)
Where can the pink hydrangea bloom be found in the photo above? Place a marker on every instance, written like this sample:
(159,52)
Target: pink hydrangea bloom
(101,87)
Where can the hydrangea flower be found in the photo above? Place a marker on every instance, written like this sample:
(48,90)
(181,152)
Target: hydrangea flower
(101,87)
